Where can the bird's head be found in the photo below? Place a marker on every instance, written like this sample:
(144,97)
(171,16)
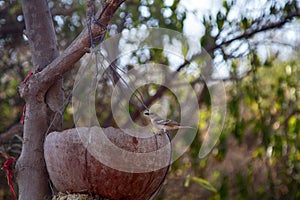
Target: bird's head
(148,113)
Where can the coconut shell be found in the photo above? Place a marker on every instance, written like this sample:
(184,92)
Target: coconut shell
(76,162)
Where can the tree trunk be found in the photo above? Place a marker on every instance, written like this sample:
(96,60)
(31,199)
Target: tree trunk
(43,91)
(43,108)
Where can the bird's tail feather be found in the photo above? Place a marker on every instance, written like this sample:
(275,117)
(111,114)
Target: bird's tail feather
(186,127)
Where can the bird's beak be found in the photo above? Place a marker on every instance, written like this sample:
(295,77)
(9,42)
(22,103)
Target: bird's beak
(146,112)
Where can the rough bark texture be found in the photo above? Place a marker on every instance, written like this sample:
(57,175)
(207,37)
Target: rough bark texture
(41,108)
(43,94)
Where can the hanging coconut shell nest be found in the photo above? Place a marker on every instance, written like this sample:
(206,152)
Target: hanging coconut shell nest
(112,163)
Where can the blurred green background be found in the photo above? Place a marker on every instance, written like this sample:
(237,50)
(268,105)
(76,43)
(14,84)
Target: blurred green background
(255,46)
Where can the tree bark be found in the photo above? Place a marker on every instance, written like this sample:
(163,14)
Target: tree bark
(42,111)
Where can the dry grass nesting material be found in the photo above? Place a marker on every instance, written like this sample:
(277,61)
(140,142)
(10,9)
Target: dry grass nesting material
(64,196)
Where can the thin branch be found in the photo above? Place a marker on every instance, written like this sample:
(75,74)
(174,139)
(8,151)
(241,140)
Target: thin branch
(266,27)
(245,35)
(16,129)
(78,48)
(62,11)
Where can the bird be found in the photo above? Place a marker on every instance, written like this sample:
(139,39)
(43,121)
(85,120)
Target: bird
(164,124)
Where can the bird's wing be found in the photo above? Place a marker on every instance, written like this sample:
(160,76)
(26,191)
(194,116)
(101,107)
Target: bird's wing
(168,122)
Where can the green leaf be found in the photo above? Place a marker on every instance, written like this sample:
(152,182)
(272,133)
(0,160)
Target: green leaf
(204,183)
(187,181)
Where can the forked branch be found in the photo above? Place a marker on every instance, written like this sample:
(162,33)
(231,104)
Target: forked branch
(78,47)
